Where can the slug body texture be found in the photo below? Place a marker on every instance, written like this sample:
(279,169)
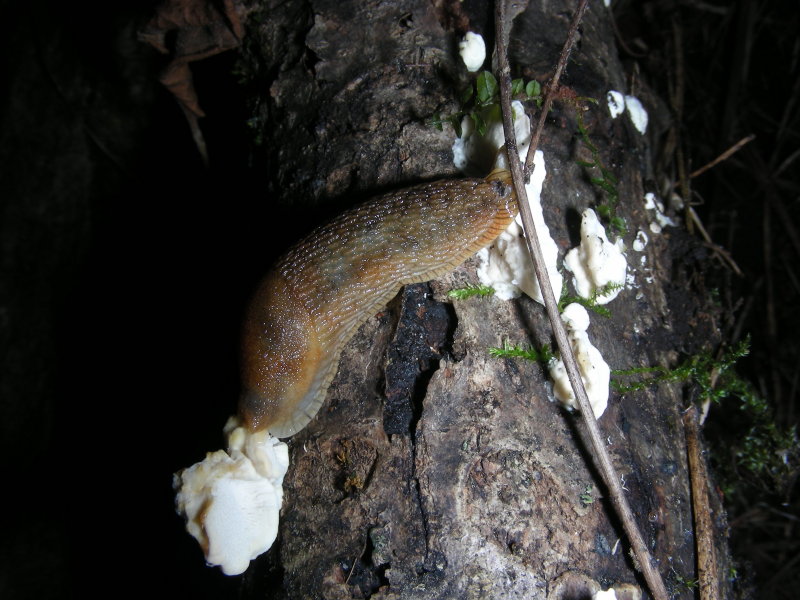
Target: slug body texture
(317,295)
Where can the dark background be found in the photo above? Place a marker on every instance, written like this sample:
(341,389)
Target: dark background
(125,268)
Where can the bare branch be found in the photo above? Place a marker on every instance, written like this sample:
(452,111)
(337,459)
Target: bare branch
(704,538)
(730,151)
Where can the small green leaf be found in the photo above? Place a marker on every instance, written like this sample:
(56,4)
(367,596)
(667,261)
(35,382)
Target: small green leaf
(467,94)
(455,121)
(436,120)
(619,224)
(604,185)
(608,175)
(480,124)
(517,86)
(487,87)
(533,89)
(592,148)
(586,497)
(494,114)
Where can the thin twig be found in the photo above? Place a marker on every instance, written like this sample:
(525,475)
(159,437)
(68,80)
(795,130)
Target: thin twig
(725,155)
(707,572)
(552,87)
(694,218)
(611,478)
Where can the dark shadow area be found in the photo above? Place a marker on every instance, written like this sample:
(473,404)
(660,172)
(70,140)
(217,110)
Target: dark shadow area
(729,71)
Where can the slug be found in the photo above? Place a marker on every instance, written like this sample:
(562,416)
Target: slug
(317,295)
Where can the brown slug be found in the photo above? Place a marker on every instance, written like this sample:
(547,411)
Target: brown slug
(318,294)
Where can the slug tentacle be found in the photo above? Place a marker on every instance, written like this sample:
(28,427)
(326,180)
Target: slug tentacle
(328,284)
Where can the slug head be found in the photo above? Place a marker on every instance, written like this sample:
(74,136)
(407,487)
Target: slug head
(280,356)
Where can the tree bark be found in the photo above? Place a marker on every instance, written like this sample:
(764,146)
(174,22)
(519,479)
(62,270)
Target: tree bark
(434,470)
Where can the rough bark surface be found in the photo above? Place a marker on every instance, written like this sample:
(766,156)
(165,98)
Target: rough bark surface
(432,471)
(445,473)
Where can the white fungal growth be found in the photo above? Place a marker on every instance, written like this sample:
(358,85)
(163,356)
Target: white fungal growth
(473,51)
(596,263)
(640,243)
(637,113)
(505,265)
(231,500)
(609,594)
(616,103)
(662,220)
(479,152)
(595,372)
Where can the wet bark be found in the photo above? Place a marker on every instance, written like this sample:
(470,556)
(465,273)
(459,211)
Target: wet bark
(434,470)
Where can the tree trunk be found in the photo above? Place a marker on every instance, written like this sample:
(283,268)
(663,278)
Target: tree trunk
(434,470)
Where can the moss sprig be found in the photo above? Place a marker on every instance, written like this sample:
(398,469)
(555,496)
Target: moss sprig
(591,302)
(543,354)
(768,454)
(470,291)
(701,369)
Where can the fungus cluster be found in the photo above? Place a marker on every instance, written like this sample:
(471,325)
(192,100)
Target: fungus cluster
(231,500)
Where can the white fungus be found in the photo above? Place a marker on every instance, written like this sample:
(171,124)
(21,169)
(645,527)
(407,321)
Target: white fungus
(609,594)
(662,220)
(652,203)
(595,372)
(231,500)
(640,243)
(596,263)
(473,51)
(505,265)
(478,152)
(616,103)
(637,113)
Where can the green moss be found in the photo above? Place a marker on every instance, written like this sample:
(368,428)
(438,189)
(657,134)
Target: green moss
(543,355)
(766,455)
(470,291)
(590,302)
